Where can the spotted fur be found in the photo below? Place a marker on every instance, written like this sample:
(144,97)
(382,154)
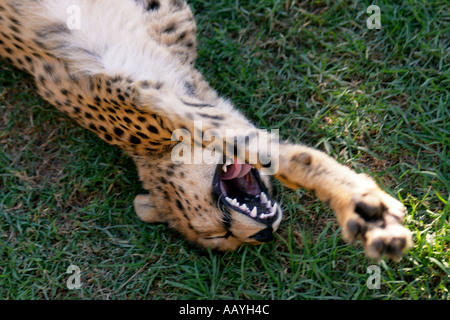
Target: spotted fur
(127,74)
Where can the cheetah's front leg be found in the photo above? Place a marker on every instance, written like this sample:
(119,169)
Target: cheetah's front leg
(364,211)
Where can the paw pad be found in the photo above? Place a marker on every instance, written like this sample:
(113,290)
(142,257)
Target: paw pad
(369,208)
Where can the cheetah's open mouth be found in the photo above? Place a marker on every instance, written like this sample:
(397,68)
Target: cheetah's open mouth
(239,186)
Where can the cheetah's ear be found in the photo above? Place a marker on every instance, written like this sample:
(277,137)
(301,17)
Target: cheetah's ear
(145,209)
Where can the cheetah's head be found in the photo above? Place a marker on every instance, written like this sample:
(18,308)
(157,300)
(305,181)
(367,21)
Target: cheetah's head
(215,206)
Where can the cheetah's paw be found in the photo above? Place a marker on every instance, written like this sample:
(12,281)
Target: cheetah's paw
(376,220)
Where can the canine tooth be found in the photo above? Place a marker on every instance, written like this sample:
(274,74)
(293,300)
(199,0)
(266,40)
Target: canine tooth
(272,211)
(254,212)
(263,197)
(226,164)
(274,208)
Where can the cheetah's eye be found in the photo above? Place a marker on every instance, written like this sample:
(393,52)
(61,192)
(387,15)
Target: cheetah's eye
(239,187)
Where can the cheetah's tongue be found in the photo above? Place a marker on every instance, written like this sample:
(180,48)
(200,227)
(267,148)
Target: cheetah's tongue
(235,170)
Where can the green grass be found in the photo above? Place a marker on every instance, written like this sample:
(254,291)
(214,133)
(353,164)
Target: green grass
(378,100)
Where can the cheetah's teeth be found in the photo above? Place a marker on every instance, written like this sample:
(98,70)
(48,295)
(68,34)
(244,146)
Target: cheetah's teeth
(244,207)
(254,212)
(225,166)
(263,197)
(273,211)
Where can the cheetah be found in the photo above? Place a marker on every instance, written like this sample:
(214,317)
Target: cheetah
(125,70)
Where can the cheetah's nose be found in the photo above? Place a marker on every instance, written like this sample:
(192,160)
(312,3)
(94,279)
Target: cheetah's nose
(264,235)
